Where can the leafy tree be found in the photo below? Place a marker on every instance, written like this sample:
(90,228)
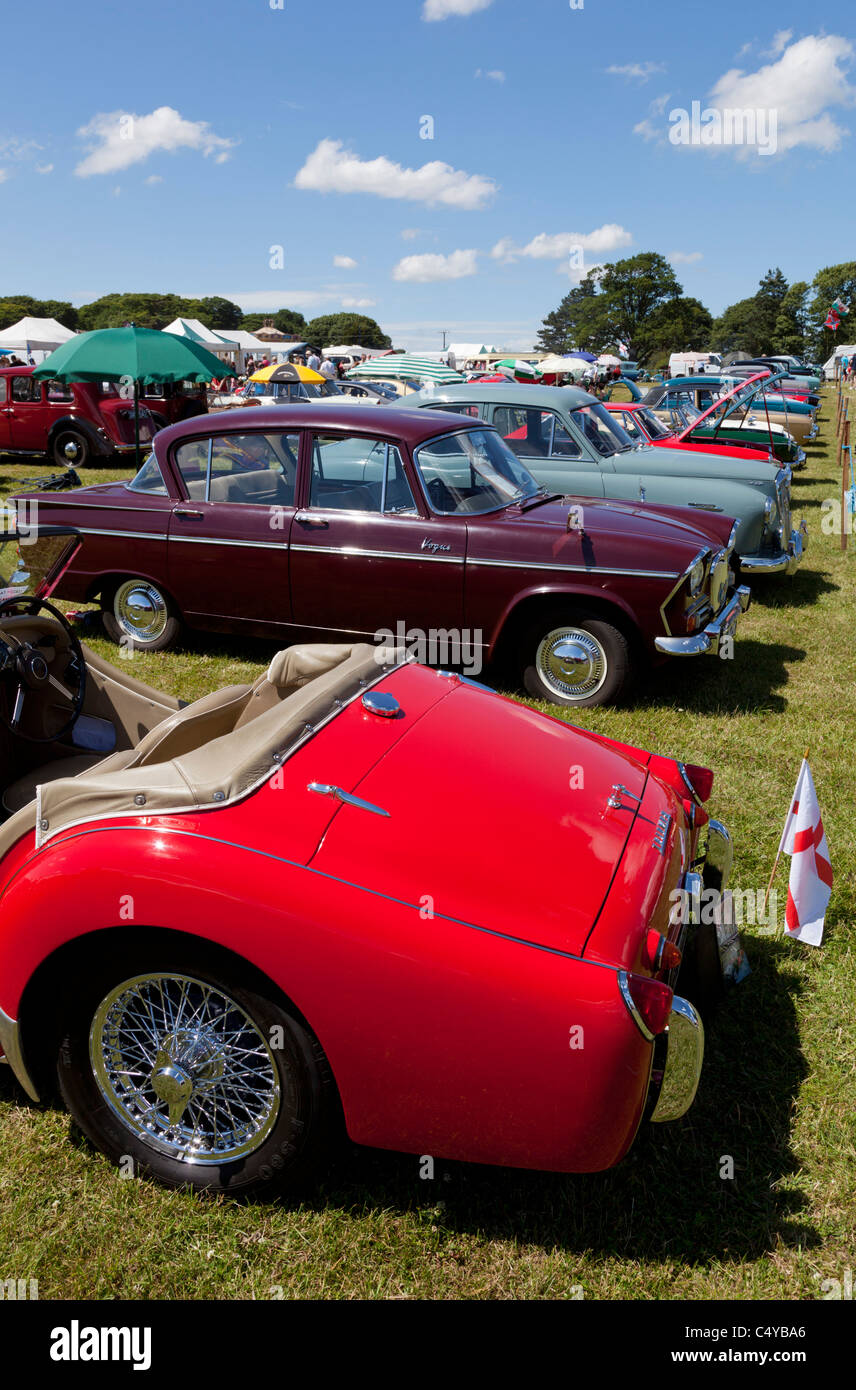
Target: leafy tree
(346,328)
(770,296)
(613,302)
(146,310)
(19,306)
(216,312)
(790,327)
(740,328)
(678,324)
(833,282)
(286,320)
(568,327)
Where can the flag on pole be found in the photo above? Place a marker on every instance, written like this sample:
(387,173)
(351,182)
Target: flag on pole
(622,348)
(832,320)
(810,882)
(841,306)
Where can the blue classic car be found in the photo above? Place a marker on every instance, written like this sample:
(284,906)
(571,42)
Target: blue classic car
(571,444)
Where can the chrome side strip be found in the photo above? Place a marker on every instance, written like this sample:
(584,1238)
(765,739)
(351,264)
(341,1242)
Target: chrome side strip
(575,569)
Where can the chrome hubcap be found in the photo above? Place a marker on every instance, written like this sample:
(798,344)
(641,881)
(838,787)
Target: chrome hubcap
(71,450)
(571,663)
(185,1068)
(140,610)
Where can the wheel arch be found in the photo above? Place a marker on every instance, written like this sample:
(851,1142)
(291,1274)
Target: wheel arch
(99,445)
(109,580)
(45,1001)
(524,609)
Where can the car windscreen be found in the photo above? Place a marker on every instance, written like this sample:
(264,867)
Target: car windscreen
(655,427)
(601,430)
(472,471)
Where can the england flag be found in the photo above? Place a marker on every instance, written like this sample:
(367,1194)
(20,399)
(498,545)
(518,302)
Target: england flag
(810,883)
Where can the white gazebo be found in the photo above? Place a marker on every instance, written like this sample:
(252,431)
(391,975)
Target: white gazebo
(31,335)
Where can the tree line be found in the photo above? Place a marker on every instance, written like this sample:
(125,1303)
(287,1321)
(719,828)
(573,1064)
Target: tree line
(640,302)
(157,310)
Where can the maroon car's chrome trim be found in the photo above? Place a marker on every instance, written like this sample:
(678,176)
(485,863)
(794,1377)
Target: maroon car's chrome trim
(575,569)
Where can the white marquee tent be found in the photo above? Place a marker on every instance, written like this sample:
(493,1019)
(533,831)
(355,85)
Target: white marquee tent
(34,335)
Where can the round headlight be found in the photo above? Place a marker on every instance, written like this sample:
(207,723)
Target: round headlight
(696,577)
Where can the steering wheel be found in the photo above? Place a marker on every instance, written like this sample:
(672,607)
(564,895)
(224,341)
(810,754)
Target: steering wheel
(440,495)
(25,663)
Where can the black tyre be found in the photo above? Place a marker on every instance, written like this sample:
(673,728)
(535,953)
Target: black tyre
(71,449)
(140,614)
(575,660)
(185,1065)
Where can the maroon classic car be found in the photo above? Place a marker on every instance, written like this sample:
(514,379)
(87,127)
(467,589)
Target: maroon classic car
(76,423)
(419,527)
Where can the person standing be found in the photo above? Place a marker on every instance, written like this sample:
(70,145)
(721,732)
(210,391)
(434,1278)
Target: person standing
(327,369)
(313,361)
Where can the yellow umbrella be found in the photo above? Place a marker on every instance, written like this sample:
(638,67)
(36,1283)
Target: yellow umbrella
(286,371)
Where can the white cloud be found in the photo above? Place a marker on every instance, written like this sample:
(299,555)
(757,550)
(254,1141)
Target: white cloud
(344,262)
(44,168)
(685,257)
(117,191)
(646,128)
(495,74)
(330,168)
(781,39)
(154,178)
(411,233)
(444,9)
(808,78)
(119,139)
(357,303)
(426,269)
(547,247)
(641,71)
(4,174)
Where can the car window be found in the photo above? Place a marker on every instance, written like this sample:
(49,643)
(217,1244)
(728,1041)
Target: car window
(149,478)
(25,389)
(353,474)
(474,409)
(249,468)
(626,420)
(656,429)
(534,433)
(59,391)
(602,431)
(2,388)
(471,472)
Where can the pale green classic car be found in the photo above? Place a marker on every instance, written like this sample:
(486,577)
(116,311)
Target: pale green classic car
(571,444)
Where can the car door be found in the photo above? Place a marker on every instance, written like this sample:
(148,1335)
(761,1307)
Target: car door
(550,448)
(363,556)
(5,421)
(28,420)
(229,534)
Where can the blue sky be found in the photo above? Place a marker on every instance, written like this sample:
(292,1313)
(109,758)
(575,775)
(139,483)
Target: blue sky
(256,127)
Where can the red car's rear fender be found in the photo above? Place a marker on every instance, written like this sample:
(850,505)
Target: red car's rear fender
(443,1038)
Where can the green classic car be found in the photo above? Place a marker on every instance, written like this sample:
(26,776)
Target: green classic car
(571,444)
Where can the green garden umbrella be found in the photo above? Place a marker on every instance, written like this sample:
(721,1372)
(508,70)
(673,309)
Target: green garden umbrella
(404,366)
(520,370)
(130,354)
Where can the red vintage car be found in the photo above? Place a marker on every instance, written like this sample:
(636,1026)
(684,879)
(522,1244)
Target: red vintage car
(234,927)
(79,423)
(361,520)
(644,427)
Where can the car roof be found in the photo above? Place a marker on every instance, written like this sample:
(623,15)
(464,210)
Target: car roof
(515,393)
(413,426)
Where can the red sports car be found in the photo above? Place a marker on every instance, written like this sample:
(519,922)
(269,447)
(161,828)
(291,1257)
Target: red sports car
(234,927)
(644,427)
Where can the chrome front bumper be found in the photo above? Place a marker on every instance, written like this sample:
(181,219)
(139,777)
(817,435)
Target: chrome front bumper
(684,1056)
(708,640)
(784,561)
(10,1041)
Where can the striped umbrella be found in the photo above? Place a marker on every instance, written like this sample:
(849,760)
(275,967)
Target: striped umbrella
(403,366)
(520,370)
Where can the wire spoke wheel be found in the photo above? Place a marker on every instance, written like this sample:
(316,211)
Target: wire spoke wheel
(185,1068)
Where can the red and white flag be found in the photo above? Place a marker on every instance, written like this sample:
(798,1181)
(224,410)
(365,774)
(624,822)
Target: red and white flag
(810,883)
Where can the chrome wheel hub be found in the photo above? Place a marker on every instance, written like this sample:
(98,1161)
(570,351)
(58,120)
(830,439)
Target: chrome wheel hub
(140,610)
(185,1068)
(571,663)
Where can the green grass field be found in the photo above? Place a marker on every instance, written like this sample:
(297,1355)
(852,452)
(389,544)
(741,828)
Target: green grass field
(778,1092)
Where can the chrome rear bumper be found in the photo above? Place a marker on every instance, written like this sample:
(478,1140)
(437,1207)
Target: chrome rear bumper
(684,1056)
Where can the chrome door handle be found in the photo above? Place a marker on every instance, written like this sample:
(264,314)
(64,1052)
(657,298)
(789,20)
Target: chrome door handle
(339,794)
(187,511)
(309,520)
